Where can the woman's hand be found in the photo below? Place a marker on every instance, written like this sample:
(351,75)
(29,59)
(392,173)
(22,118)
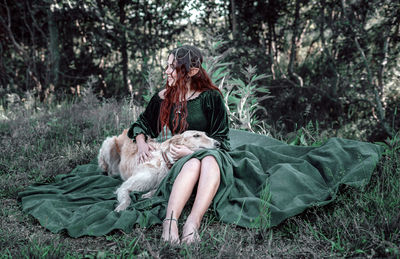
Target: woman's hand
(144,149)
(179,151)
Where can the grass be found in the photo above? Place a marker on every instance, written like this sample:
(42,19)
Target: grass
(38,144)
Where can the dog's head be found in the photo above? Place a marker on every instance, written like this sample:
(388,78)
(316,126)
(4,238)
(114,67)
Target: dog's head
(194,140)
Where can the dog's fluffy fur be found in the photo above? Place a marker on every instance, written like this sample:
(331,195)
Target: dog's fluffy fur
(119,156)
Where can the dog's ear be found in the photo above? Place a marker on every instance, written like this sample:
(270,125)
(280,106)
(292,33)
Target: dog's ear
(176,140)
(117,147)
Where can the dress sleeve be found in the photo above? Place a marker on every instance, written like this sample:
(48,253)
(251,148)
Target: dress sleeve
(148,121)
(218,122)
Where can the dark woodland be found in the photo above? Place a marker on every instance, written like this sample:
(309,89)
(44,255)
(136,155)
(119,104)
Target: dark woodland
(335,63)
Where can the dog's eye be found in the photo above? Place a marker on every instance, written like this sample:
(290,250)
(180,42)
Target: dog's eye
(196,135)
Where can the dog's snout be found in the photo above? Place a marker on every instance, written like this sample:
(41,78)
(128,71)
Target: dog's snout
(217,144)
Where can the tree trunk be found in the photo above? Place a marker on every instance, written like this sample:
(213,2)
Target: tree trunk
(123,48)
(271,50)
(332,66)
(378,102)
(233,18)
(54,49)
(293,49)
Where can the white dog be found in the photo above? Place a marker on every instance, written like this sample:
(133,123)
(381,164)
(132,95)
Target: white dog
(118,156)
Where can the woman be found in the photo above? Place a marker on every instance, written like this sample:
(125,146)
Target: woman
(190,101)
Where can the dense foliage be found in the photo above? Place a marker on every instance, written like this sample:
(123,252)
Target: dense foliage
(335,63)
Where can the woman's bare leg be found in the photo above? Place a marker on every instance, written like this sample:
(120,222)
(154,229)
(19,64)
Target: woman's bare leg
(207,188)
(180,194)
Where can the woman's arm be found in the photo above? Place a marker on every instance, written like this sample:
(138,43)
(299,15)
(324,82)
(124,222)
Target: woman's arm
(217,116)
(146,125)
(148,122)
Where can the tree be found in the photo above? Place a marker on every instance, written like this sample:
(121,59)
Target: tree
(65,45)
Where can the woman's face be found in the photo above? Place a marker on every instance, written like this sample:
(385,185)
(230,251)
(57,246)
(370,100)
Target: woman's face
(171,71)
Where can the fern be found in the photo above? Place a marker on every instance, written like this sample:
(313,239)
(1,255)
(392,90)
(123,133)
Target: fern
(244,99)
(242,93)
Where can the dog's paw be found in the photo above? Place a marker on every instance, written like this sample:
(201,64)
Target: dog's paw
(148,194)
(121,207)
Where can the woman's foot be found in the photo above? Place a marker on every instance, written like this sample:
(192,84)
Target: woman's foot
(190,233)
(170,231)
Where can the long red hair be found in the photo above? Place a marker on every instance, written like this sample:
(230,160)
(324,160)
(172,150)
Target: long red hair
(200,82)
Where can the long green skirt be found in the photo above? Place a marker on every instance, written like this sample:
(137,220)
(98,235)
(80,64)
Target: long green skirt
(263,181)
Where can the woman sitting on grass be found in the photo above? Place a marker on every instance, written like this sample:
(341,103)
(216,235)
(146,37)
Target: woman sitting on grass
(258,183)
(190,101)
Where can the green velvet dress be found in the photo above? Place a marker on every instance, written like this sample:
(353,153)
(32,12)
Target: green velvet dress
(263,181)
(206,113)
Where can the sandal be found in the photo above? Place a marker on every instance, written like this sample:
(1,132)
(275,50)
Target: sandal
(169,239)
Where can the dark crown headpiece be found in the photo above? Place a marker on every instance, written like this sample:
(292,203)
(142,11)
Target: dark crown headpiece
(189,56)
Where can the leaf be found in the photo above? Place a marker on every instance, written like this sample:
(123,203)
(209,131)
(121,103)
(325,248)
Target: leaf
(218,44)
(238,82)
(224,64)
(294,141)
(265,97)
(233,99)
(263,90)
(259,77)
(303,140)
(386,146)
(218,73)
(221,84)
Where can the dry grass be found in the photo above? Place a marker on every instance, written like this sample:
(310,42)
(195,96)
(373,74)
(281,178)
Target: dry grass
(39,144)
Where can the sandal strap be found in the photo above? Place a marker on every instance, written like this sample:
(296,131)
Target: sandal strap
(166,219)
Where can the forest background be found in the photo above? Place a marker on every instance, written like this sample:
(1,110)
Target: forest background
(332,63)
(73,72)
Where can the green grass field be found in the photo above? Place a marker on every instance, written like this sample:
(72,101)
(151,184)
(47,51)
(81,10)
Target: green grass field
(38,144)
